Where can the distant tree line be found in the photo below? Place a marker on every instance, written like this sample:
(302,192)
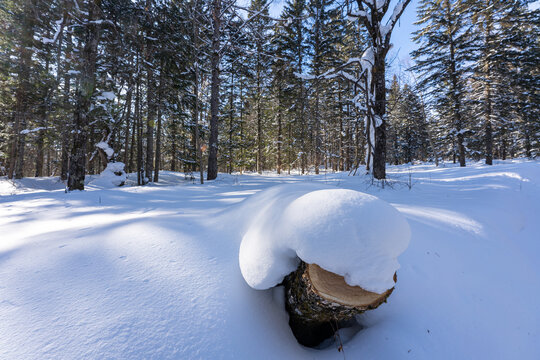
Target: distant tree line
(211,85)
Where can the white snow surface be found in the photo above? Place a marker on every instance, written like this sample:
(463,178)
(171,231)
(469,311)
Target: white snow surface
(108,95)
(152,272)
(344,231)
(106,148)
(109,178)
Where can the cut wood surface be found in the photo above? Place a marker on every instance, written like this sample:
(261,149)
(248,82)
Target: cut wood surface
(319,302)
(333,287)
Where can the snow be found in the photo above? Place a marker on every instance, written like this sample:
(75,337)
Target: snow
(344,231)
(368,59)
(109,177)
(106,148)
(304,76)
(153,272)
(106,95)
(29,131)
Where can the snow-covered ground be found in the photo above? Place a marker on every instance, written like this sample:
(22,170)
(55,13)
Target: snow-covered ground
(153,273)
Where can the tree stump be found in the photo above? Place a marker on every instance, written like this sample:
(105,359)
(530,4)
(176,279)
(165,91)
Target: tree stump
(320,302)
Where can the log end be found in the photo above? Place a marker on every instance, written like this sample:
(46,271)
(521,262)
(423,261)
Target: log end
(333,287)
(320,302)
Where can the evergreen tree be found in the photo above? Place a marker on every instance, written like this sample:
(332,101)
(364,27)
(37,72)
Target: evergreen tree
(446,49)
(294,55)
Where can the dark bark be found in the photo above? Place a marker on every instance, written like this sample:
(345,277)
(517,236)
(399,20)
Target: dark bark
(231,124)
(40,153)
(215,90)
(43,114)
(313,317)
(140,165)
(487,25)
(379,153)
(127,149)
(280,132)
(150,98)
(85,90)
(197,143)
(158,134)
(489,142)
(259,157)
(456,91)
(66,134)
(380,45)
(22,93)
(317,67)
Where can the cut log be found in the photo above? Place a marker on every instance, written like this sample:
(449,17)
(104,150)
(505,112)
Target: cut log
(319,302)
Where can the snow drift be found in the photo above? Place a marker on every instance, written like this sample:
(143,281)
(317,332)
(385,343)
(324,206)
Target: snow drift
(347,232)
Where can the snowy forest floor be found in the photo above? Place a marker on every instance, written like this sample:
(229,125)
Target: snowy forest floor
(152,272)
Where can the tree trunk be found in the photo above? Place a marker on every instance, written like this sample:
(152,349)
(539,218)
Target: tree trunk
(128,127)
(66,134)
(280,132)
(197,143)
(456,91)
(150,97)
(379,153)
(140,165)
(320,302)
(259,156)
(77,163)
(23,90)
(44,112)
(157,161)
(231,124)
(40,153)
(214,97)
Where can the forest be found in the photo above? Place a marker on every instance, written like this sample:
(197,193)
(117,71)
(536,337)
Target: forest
(269,179)
(208,86)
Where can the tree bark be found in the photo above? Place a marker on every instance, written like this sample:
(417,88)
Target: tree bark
(455,94)
(140,165)
(157,162)
(320,302)
(197,142)
(23,91)
(280,131)
(214,97)
(128,127)
(379,153)
(66,134)
(77,163)
(150,98)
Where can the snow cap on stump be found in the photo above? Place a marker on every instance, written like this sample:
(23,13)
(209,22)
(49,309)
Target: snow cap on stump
(353,234)
(114,175)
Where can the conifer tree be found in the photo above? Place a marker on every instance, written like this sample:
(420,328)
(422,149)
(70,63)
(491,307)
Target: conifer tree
(446,49)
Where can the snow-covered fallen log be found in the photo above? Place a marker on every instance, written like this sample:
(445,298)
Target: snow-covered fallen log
(335,250)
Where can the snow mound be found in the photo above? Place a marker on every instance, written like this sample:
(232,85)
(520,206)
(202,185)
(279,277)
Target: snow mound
(347,232)
(113,176)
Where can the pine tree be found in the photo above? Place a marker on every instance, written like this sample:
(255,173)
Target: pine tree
(85,90)
(259,37)
(446,49)
(294,55)
(523,52)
